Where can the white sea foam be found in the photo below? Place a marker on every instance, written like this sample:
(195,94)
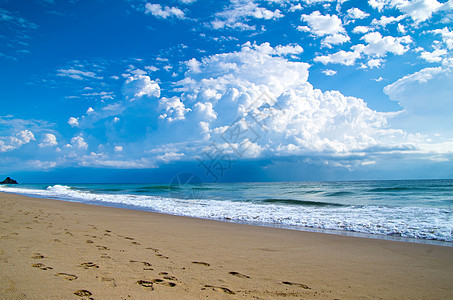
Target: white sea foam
(412,222)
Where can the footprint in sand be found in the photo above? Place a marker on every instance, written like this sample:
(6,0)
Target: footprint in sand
(89,242)
(102,248)
(153,249)
(108,280)
(170,278)
(219,289)
(144,263)
(201,263)
(89,265)
(67,276)
(162,256)
(146,284)
(164,282)
(41,266)
(82,293)
(237,274)
(37,256)
(296,284)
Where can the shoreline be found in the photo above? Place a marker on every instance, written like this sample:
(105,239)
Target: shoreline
(51,249)
(269,225)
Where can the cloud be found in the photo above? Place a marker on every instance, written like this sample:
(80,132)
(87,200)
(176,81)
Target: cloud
(326,25)
(255,66)
(139,86)
(376,46)
(118,148)
(173,109)
(100,95)
(329,72)
(206,111)
(379,46)
(384,21)
(378,4)
(425,96)
(163,12)
(74,122)
(24,137)
(418,10)
(355,13)
(399,86)
(268,98)
(347,58)
(78,142)
(435,56)
(373,63)
(17,30)
(41,165)
(170,156)
(14,19)
(447,36)
(15,141)
(361,29)
(321,25)
(49,140)
(77,74)
(239,12)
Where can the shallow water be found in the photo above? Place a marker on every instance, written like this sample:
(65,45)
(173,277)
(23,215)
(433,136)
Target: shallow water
(418,209)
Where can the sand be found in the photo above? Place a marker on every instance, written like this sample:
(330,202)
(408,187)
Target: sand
(52,249)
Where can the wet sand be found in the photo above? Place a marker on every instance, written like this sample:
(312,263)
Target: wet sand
(52,249)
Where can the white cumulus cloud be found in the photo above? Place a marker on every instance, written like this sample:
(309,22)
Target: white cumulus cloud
(418,10)
(49,140)
(74,122)
(268,98)
(15,141)
(139,86)
(355,13)
(79,142)
(173,109)
(326,25)
(159,11)
(329,72)
(239,12)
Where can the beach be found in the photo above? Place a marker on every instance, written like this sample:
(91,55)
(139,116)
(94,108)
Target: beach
(52,249)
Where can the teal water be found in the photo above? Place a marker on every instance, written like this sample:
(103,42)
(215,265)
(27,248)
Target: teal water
(414,209)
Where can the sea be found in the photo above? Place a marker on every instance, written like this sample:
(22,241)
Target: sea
(408,210)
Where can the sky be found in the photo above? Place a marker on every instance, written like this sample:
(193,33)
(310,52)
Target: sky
(270,90)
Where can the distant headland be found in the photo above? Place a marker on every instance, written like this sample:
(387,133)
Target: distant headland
(9,181)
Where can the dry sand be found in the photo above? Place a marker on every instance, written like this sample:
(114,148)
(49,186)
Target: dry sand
(52,249)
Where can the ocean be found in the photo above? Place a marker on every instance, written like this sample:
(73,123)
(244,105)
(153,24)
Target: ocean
(412,210)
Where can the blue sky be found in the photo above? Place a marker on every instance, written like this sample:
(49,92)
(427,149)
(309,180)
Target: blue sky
(230,90)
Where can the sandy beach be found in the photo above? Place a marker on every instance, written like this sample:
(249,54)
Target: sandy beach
(52,249)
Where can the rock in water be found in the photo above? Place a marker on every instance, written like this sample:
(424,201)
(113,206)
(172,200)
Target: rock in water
(8,181)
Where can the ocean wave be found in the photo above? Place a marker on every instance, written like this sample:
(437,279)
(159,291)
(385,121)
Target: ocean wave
(299,202)
(429,223)
(338,194)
